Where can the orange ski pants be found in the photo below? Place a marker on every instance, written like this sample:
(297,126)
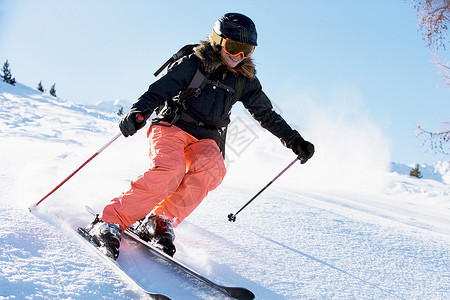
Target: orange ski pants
(182,171)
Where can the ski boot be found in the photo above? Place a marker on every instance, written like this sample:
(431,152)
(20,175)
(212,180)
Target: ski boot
(107,236)
(159,229)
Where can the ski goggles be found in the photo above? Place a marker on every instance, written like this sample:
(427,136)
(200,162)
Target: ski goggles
(233,48)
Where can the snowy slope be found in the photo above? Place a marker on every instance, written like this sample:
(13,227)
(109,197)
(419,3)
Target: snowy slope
(439,171)
(341,226)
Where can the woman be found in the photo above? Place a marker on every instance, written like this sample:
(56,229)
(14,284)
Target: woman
(187,136)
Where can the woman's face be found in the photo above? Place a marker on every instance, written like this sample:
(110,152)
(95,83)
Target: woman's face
(231,61)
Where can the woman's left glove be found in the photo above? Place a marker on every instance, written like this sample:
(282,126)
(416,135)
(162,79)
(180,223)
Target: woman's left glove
(303,149)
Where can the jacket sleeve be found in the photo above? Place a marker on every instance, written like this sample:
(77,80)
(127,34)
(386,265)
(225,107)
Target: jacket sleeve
(177,79)
(261,109)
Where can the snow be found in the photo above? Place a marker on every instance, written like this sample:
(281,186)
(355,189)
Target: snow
(348,224)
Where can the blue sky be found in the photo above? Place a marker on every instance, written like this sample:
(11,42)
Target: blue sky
(364,56)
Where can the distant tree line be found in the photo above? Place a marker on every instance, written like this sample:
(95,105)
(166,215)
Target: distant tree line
(7,77)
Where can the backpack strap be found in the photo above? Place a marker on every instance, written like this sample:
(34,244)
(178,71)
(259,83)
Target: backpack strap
(197,84)
(194,89)
(185,50)
(239,88)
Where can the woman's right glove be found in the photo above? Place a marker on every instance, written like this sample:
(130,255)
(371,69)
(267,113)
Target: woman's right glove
(303,149)
(133,121)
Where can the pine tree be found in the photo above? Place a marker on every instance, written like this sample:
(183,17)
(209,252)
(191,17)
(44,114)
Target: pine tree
(53,90)
(7,77)
(415,172)
(40,87)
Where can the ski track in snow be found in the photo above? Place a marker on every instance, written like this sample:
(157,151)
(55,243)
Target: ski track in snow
(293,242)
(40,261)
(337,252)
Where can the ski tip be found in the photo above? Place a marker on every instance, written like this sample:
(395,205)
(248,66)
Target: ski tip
(240,293)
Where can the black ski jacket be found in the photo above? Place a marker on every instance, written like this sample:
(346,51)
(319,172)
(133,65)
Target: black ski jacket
(207,114)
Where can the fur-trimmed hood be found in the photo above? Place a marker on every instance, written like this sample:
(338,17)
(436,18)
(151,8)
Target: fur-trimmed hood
(209,54)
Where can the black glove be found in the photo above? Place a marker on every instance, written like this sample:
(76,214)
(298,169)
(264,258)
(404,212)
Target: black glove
(133,121)
(302,148)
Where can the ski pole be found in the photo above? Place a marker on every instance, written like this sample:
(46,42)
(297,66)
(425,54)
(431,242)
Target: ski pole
(80,167)
(232,217)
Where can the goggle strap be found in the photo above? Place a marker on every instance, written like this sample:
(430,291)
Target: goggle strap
(218,39)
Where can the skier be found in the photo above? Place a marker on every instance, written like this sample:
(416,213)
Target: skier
(187,137)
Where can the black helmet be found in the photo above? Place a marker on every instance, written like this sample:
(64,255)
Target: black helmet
(236,27)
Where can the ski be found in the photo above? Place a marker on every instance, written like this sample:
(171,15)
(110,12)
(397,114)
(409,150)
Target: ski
(130,233)
(87,237)
(234,292)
